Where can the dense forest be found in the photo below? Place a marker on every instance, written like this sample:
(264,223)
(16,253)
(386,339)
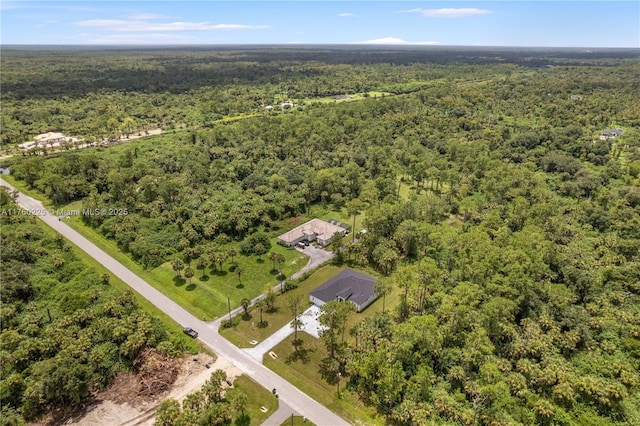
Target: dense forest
(66,331)
(489,199)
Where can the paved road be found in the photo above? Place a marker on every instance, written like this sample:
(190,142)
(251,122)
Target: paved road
(289,394)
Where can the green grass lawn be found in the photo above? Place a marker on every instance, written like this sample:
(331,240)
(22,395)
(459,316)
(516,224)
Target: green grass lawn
(405,189)
(206,297)
(247,329)
(296,421)
(257,397)
(303,372)
(172,327)
(329,212)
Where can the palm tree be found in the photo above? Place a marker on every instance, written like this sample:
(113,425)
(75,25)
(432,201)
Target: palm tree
(239,272)
(177,265)
(217,259)
(382,287)
(245,303)
(261,305)
(239,403)
(213,260)
(189,273)
(202,264)
(272,257)
(280,259)
(269,298)
(259,249)
(231,253)
(294,306)
(353,208)
(296,324)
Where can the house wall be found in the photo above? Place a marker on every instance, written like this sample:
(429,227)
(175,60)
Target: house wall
(366,303)
(316,301)
(290,244)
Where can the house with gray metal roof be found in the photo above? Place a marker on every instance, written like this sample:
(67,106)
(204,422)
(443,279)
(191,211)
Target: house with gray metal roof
(348,285)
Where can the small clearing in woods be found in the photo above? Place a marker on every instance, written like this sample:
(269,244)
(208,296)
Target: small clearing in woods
(133,398)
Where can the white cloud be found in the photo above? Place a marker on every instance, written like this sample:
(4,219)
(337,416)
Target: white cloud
(449,12)
(394,40)
(138,38)
(9,5)
(346,14)
(146,17)
(145,25)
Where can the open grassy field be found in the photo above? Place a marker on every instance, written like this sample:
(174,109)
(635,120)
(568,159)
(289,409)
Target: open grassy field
(303,372)
(247,328)
(205,297)
(208,293)
(257,397)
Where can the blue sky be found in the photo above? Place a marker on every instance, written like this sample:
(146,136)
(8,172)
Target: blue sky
(470,23)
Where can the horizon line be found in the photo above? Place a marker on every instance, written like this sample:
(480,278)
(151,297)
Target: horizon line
(295,45)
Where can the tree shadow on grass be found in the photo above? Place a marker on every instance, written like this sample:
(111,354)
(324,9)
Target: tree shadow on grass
(260,260)
(328,370)
(302,354)
(179,281)
(243,420)
(204,278)
(246,317)
(190,287)
(240,285)
(273,272)
(220,273)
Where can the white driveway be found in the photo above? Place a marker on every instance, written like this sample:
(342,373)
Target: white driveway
(317,256)
(310,326)
(289,394)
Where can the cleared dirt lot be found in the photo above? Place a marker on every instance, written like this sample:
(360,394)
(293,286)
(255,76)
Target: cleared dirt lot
(116,406)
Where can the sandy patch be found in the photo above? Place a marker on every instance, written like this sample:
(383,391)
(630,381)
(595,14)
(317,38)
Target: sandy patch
(192,376)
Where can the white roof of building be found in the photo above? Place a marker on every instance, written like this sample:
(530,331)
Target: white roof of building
(49,136)
(322,230)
